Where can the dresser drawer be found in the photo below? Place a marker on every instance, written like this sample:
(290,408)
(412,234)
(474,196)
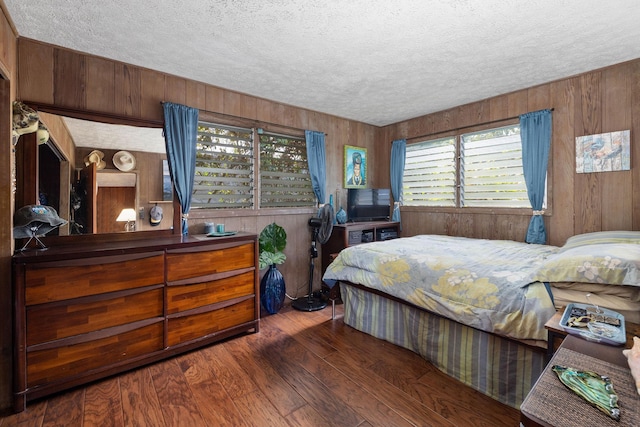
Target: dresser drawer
(51,364)
(184,265)
(188,327)
(48,322)
(49,282)
(186,297)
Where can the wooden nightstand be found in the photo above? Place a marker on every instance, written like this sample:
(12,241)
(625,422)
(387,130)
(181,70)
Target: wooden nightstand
(556,334)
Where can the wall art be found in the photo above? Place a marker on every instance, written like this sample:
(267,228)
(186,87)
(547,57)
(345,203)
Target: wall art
(355,167)
(604,152)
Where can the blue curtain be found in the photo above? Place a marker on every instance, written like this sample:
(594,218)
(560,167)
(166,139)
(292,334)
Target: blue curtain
(316,158)
(398,152)
(180,131)
(535,132)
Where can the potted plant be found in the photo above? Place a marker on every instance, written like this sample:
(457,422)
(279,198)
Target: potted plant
(272,241)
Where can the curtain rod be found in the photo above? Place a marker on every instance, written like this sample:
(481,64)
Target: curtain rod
(467,127)
(256,123)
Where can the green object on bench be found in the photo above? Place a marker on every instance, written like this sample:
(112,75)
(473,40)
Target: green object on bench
(592,387)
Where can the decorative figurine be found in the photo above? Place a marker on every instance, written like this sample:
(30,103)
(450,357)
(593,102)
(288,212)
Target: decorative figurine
(595,389)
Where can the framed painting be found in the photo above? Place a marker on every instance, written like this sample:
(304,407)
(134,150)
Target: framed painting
(355,167)
(604,152)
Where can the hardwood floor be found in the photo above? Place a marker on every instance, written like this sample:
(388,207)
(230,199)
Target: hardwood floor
(301,369)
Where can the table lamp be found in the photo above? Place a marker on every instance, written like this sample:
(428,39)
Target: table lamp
(128,215)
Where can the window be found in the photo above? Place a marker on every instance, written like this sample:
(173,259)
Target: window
(430,173)
(284,172)
(224,167)
(227,168)
(488,172)
(491,171)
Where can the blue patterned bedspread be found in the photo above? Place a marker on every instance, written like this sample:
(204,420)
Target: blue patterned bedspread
(481,283)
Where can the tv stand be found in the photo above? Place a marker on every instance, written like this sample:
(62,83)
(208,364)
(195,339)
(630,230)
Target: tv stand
(350,234)
(359,221)
(355,233)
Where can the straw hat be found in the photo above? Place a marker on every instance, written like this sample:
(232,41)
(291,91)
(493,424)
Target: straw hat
(96,156)
(124,161)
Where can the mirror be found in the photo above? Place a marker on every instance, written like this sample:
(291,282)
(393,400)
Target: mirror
(110,168)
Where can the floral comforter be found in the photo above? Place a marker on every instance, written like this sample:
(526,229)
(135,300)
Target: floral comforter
(486,284)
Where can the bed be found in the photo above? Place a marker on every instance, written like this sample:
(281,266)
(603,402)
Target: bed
(476,308)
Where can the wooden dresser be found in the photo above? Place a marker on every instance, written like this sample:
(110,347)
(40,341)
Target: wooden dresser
(89,311)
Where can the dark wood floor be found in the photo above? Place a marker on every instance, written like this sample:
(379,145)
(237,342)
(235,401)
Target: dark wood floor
(302,369)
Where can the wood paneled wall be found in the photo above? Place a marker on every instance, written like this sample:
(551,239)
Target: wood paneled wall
(51,75)
(60,134)
(8,48)
(602,100)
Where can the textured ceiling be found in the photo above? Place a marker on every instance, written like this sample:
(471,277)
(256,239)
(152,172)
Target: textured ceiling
(108,136)
(375,61)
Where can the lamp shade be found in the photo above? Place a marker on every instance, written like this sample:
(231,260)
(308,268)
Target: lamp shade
(127,214)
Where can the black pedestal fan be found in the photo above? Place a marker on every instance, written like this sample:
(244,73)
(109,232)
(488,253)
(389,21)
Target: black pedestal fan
(321,227)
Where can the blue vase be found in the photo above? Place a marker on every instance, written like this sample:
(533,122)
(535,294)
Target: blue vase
(341,216)
(272,290)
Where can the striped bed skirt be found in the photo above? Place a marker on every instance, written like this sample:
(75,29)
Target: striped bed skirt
(501,368)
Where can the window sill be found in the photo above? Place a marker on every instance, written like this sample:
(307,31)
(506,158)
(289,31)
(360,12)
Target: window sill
(204,213)
(473,211)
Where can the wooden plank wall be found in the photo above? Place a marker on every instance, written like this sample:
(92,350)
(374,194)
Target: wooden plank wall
(53,75)
(60,134)
(8,47)
(602,100)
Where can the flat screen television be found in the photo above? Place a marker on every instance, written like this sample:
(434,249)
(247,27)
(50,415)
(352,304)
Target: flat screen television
(368,204)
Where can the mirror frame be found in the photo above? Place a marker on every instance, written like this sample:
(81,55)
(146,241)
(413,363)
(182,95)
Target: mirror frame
(102,117)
